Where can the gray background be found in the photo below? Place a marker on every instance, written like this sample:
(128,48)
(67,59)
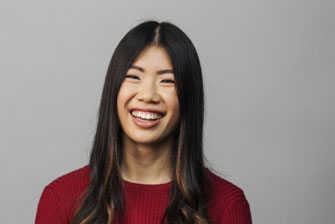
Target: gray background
(268,69)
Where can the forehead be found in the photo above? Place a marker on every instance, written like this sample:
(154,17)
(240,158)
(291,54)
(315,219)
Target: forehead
(153,57)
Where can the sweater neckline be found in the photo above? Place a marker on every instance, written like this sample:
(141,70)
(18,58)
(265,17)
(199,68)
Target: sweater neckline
(139,186)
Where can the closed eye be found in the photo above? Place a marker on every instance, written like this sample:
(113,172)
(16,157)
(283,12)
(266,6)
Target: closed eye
(132,76)
(168,81)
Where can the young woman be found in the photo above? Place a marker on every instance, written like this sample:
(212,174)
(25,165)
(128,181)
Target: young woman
(147,163)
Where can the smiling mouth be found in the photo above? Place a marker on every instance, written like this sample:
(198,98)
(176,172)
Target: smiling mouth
(146,120)
(146,117)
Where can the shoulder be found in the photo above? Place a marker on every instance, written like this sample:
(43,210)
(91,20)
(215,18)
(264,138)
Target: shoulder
(228,193)
(70,186)
(68,182)
(227,200)
(59,198)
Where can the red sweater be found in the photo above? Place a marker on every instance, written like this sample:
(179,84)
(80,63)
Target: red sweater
(145,204)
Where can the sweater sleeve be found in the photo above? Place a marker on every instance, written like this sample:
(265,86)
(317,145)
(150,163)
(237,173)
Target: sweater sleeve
(50,209)
(237,214)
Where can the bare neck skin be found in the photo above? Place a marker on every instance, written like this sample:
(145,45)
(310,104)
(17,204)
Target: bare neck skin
(146,163)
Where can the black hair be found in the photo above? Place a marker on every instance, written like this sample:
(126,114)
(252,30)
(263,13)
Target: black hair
(190,188)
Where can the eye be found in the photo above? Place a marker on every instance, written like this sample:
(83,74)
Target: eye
(132,77)
(168,81)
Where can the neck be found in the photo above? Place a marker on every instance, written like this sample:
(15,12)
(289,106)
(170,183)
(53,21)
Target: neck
(146,163)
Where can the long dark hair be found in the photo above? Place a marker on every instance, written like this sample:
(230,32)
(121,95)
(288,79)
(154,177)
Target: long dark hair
(102,202)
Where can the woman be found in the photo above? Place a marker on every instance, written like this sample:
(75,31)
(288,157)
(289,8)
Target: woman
(147,162)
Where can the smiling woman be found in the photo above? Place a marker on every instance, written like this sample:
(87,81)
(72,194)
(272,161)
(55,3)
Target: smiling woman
(147,163)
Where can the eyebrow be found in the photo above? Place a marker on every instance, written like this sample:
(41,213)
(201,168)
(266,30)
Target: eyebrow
(158,73)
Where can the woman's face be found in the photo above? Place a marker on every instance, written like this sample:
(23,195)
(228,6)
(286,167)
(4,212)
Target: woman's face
(147,102)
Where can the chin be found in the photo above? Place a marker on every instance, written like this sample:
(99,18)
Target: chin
(146,140)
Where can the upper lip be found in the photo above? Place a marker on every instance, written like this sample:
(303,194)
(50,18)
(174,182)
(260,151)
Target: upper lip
(148,110)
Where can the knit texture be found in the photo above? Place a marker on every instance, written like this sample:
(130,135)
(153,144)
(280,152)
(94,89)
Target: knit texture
(144,203)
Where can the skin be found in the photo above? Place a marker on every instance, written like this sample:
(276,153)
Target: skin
(146,150)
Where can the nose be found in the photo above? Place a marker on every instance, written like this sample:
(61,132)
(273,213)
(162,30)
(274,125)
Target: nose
(148,93)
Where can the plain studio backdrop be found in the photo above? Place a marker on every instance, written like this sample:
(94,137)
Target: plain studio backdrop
(268,69)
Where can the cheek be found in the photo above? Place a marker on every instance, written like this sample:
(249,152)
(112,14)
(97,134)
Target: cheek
(172,102)
(174,109)
(121,100)
(123,96)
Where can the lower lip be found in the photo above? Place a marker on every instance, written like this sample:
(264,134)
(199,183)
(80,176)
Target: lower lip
(145,124)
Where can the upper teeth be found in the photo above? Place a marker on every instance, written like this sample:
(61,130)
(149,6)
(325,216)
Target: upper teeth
(146,115)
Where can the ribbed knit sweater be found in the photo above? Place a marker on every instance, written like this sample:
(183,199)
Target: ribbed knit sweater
(144,203)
